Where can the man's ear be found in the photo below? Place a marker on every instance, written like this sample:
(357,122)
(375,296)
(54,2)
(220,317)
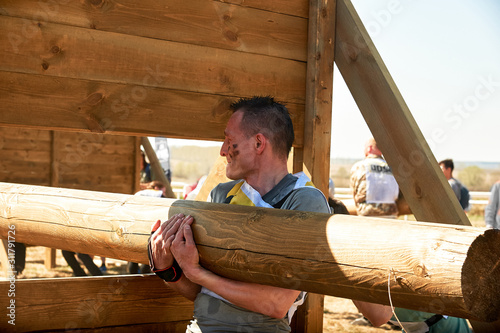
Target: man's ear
(260,142)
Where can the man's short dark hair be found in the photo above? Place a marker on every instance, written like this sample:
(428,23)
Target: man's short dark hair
(265,115)
(448,163)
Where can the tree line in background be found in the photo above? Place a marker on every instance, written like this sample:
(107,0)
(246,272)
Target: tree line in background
(472,176)
(189,163)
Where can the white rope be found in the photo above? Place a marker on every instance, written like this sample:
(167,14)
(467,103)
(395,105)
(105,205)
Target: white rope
(390,298)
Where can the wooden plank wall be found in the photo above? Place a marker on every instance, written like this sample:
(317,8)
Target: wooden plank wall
(160,68)
(72,160)
(90,304)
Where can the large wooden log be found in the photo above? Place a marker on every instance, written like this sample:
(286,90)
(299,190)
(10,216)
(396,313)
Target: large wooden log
(437,268)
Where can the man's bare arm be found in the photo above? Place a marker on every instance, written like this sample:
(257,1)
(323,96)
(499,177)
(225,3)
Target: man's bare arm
(377,314)
(271,301)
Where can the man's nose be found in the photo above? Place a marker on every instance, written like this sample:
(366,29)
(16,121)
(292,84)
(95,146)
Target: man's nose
(223,149)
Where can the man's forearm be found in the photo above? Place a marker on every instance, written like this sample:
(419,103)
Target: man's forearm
(377,314)
(271,301)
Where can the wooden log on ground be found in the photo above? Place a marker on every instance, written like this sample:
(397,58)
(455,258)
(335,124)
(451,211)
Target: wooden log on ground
(127,303)
(436,268)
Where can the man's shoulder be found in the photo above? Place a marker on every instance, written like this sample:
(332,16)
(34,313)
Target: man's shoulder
(307,199)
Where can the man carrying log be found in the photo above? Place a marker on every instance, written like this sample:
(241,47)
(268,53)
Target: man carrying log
(258,139)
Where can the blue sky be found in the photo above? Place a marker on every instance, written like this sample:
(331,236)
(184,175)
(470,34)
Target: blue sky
(445,58)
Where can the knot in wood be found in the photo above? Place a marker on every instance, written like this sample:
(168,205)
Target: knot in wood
(94,98)
(55,49)
(96,3)
(231,35)
(45,65)
(352,52)
(421,271)
(418,191)
(254,217)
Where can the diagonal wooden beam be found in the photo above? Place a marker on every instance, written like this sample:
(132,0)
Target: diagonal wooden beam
(391,122)
(422,182)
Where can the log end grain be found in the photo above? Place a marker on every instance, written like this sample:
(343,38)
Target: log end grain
(481,277)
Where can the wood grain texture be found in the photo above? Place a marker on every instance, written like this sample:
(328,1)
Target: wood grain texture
(345,256)
(392,124)
(217,24)
(66,51)
(318,111)
(90,106)
(94,302)
(317,126)
(292,7)
(72,160)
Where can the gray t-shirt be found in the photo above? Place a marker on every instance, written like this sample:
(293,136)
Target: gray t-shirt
(213,314)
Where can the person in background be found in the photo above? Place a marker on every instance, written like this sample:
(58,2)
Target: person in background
(374,189)
(75,265)
(461,192)
(373,185)
(492,210)
(412,321)
(154,189)
(145,173)
(337,206)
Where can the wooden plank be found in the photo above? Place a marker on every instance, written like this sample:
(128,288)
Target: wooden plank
(317,125)
(50,258)
(339,255)
(94,302)
(22,135)
(8,142)
(65,51)
(391,123)
(173,114)
(138,165)
(200,22)
(318,111)
(26,155)
(291,7)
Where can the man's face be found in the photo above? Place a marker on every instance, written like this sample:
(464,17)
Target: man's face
(446,171)
(238,149)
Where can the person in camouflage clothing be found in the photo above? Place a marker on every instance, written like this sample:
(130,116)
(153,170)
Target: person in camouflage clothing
(373,185)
